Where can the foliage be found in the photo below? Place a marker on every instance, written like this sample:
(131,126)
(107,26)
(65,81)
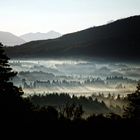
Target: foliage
(133,109)
(11,100)
(62,102)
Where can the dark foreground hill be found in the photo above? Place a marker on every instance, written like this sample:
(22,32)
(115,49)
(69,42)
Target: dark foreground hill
(117,40)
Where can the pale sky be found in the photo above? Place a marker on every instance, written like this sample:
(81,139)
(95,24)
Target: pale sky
(64,16)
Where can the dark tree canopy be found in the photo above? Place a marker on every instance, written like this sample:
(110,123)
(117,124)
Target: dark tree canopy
(10,96)
(6,72)
(133,109)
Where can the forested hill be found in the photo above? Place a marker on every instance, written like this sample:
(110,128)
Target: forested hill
(119,39)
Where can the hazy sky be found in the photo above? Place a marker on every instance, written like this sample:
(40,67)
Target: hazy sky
(64,16)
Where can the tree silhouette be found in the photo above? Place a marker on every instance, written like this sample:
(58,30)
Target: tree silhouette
(11,100)
(133,109)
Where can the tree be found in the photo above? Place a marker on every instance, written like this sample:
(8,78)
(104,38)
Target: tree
(78,112)
(72,111)
(6,72)
(133,109)
(11,100)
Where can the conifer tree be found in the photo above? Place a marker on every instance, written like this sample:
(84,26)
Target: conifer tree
(133,109)
(11,100)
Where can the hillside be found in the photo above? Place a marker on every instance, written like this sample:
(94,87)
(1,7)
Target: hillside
(40,36)
(117,40)
(9,39)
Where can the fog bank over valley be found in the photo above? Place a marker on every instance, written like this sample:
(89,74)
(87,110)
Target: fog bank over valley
(75,77)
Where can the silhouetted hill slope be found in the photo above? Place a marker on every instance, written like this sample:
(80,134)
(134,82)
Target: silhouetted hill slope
(10,39)
(120,39)
(40,36)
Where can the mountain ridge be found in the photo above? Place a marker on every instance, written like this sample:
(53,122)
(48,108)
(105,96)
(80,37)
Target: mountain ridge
(117,40)
(9,39)
(40,36)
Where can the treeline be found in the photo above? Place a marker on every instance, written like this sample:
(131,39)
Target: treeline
(60,101)
(95,104)
(119,81)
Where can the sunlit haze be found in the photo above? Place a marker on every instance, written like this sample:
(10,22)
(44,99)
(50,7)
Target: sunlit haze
(64,16)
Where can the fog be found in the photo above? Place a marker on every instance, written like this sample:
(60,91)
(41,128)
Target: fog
(75,77)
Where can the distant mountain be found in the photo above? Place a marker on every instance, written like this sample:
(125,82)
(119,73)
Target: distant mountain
(10,39)
(40,36)
(117,40)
